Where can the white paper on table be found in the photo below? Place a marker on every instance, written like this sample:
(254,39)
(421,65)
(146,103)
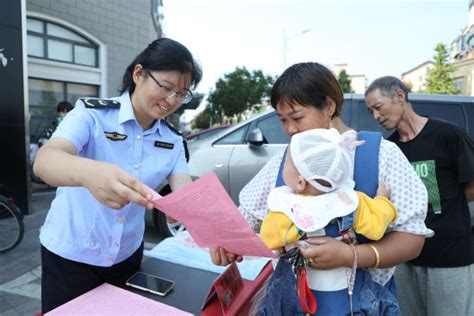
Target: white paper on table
(181,249)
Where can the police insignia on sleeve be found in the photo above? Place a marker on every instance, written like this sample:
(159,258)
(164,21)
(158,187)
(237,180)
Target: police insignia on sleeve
(100,103)
(164,145)
(115,136)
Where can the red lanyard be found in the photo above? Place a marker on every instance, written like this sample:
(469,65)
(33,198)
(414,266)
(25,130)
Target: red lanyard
(304,293)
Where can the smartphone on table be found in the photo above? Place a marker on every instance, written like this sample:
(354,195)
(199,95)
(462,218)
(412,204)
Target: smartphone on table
(150,283)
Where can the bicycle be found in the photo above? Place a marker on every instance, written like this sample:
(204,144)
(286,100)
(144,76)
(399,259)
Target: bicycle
(11,224)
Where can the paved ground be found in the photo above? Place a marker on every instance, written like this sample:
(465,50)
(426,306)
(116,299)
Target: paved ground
(20,269)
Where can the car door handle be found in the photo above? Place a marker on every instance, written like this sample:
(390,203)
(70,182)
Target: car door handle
(219,165)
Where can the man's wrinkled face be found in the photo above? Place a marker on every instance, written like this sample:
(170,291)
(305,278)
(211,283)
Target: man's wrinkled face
(385,110)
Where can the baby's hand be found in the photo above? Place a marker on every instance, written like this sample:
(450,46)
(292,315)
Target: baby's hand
(384,190)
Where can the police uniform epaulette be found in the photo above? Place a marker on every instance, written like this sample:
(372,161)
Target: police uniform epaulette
(172,128)
(185,143)
(100,103)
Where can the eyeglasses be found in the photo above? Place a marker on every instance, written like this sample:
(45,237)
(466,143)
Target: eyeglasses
(168,93)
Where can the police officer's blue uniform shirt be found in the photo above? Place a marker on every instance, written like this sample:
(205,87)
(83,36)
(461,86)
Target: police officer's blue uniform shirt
(80,228)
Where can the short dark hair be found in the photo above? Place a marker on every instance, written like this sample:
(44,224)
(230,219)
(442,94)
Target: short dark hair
(64,106)
(163,54)
(307,84)
(388,86)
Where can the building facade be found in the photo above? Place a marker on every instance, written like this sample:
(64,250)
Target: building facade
(415,78)
(463,75)
(462,55)
(81,48)
(358,82)
(463,45)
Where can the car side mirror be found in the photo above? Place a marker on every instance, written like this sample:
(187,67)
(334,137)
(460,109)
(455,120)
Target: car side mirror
(255,137)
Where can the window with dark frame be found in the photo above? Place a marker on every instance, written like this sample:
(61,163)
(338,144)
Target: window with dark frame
(54,42)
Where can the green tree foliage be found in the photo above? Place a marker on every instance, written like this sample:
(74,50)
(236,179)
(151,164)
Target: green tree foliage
(345,82)
(439,80)
(205,119)
(239,91)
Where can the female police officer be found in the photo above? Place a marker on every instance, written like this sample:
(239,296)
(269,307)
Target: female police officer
(99,158)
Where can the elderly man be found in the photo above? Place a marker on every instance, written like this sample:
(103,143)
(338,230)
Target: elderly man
(440,280)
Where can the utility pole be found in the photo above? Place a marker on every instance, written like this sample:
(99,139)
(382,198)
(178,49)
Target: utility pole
(285,41)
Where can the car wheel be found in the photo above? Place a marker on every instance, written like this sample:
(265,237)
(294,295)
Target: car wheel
(159,220)
(166,229)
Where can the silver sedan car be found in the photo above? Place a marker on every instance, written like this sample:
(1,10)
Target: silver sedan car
(236,155)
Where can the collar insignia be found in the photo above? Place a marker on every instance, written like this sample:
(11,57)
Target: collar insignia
(164,145)
(101,103)
(115,136)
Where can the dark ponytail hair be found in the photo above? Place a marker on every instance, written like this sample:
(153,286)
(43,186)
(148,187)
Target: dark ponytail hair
(308,84)
(163,54)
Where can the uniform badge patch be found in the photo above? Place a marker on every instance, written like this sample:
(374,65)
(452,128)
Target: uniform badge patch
(100,103)
(164,145)
(115,136)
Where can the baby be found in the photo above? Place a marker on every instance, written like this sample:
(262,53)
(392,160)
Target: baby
(319,188)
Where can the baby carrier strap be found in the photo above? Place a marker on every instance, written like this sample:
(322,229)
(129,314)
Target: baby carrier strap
(279,181)
(366,164)
(366,171)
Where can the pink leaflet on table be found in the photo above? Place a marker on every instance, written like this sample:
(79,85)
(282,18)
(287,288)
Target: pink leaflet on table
(107,299)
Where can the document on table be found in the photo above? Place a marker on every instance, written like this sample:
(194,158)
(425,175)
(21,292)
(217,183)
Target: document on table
(107,299)
(211,217)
